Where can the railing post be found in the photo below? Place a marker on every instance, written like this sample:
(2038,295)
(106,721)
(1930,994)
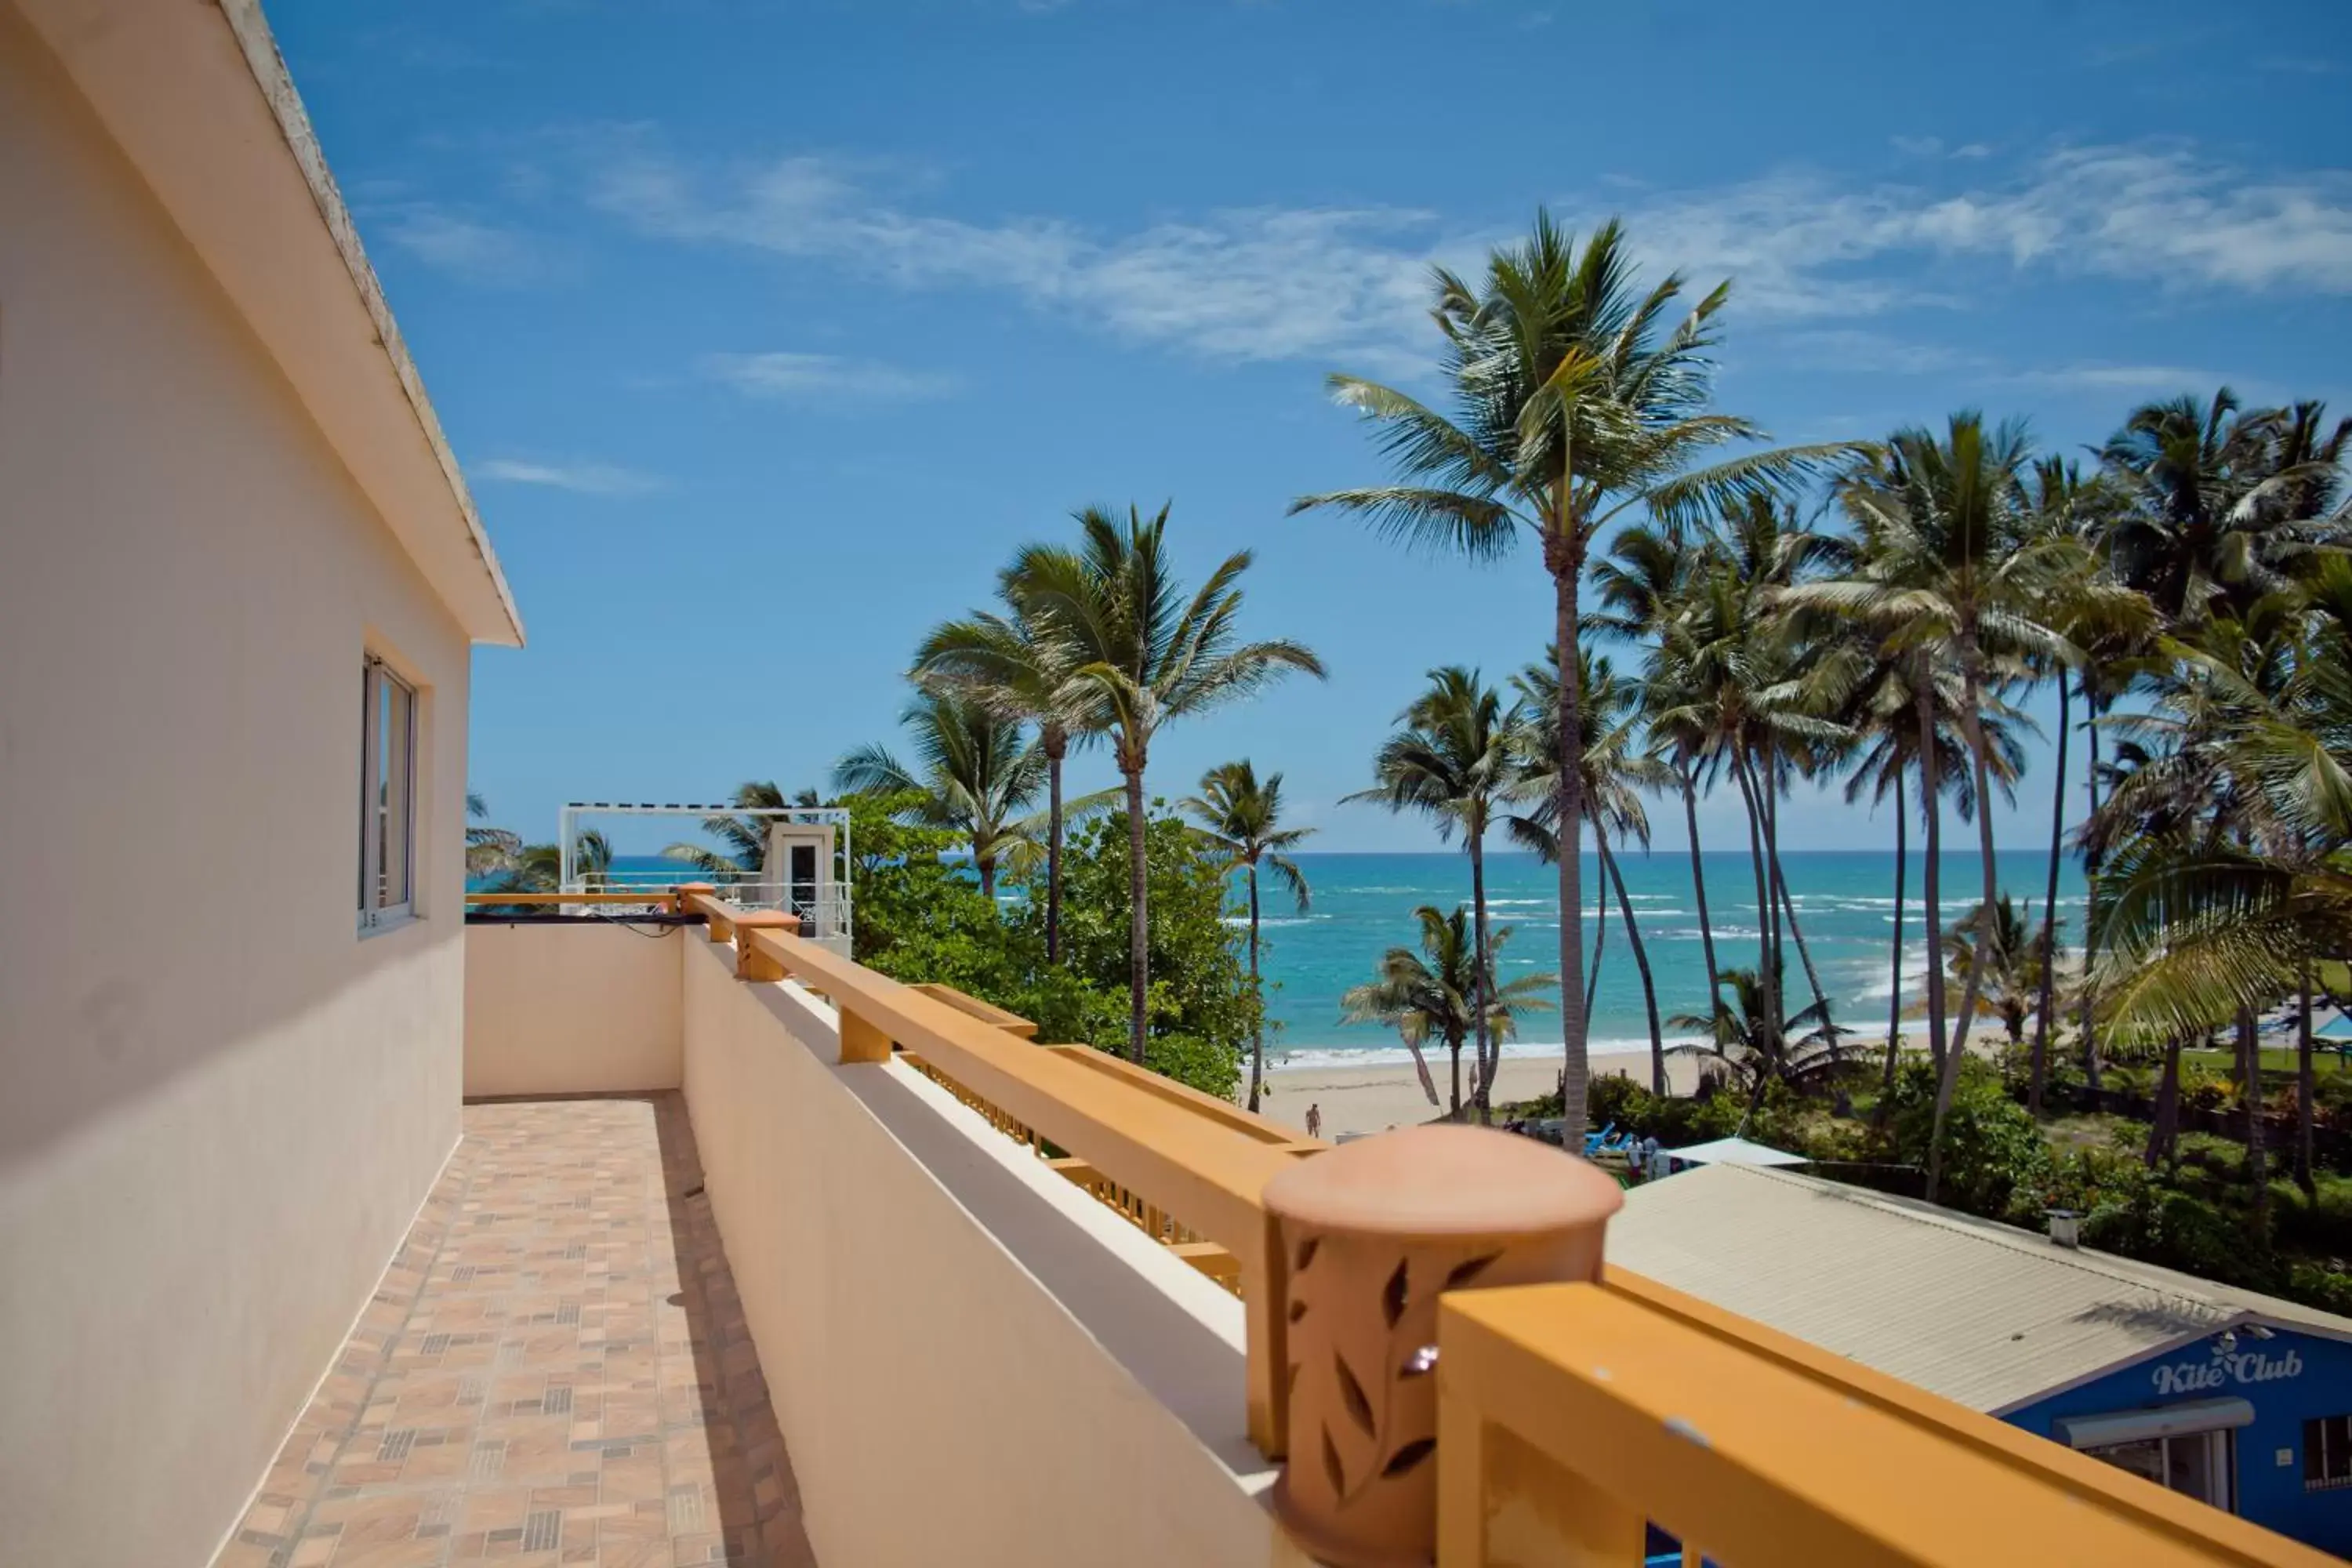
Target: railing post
(1369,1236)
(860,1041)
(751,961)
(681,895)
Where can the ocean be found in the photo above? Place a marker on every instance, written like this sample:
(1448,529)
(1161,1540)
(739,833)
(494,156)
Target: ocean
(1362,904)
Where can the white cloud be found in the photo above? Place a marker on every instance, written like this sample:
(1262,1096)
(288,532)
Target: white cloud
(478,252)
(580,479)
(2148,380)
(1260,283)
(826,378)
(1349,284)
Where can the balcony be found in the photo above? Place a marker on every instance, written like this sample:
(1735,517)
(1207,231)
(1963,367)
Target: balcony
(752,1255)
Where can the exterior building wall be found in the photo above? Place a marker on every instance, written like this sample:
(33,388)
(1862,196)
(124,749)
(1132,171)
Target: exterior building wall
(576,1007)
(2285,1392)
(222,1107)
(972,1360)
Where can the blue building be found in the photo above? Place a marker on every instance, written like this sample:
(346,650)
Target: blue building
(2238,1399)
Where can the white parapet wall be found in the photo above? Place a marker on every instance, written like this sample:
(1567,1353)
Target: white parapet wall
(973,1360)
(573,1007)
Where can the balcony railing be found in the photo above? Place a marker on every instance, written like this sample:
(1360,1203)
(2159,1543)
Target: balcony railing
(1572,1419)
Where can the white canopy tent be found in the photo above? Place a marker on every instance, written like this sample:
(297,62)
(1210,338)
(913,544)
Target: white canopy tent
(1733,1151)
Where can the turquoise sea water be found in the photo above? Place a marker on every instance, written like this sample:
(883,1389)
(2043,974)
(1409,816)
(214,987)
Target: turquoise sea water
(1362,904)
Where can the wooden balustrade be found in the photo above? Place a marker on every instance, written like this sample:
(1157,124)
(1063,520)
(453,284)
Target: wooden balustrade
(1205,1171)
(1571,1417)
(664,899)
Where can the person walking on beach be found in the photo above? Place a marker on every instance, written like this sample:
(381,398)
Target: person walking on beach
(1315,1121)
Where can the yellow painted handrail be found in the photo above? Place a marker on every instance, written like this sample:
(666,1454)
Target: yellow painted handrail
(1571,1415)
(1203,1169)
(603,896)
(988,1012)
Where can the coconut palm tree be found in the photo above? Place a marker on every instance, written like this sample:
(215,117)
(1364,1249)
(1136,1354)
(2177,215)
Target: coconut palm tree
(1244,818)
(1019,663)
(1880,706)
(1575,402)
(1427,994)
(1949,569)
(488,850)
(976,775)
(2224,499)
(743,839)
(1617,771)
(1801,1051)
(2005,964)
(1451,762)
(1145,655)
(538,868)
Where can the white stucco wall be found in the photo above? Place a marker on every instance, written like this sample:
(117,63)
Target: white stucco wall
(582,1008)
(973,1360)
(221,1108)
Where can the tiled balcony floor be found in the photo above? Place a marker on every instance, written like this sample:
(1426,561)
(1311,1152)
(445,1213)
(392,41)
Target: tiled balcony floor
(555,1370)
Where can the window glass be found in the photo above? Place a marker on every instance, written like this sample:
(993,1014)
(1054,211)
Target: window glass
(2328,1452)
(387,793)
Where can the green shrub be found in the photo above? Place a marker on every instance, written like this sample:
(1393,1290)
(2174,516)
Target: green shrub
(1991,1146)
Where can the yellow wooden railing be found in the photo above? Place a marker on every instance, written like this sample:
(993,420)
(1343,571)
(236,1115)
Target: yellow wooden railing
(1570,1416)
(1141,1133)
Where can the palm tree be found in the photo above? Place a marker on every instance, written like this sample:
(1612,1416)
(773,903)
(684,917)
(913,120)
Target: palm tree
(1451,762)
(1244,818)
(1572,406)
(1949,570)
(1880,706)
(1020,663)
(2224,499)
(744,839)
(2005,966)
(1743,1035)
(488,850)
(1427,994)
(1144,656)
(538,868)
(976,775)
(1616,773)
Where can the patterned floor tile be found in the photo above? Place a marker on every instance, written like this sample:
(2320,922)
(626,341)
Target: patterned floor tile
(555,1370)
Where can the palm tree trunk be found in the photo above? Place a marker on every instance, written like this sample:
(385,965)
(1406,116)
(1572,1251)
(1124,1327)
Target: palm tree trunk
(2090,887)
(1895,965)
(1698,887)
(1973,732)
(1768,792)
(2304,1084)
(1797,935)
(2165,1126)
(1454,1044)
(987,879)
(1600,923)
(1057,745)
(1765,976)
(1616,874)
(1483,1035)
(1139,956)
(2049,1003)
(2250,1077)
(1257,1024)
(1931,808)
(1564,557)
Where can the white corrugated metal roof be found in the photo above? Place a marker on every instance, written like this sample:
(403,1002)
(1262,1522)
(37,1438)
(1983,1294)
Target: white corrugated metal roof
(1985,1314)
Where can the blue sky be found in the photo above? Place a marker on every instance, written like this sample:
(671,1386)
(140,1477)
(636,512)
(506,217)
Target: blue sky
(765,331)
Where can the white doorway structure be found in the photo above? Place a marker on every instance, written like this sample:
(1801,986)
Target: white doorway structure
(804,868)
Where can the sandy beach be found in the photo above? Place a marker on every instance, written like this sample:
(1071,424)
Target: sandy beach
(1378,1095)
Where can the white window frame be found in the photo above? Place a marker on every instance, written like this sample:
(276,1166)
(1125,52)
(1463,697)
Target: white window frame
(395,804)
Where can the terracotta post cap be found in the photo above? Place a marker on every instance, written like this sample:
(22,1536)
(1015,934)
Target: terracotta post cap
(1445,1180)
(767,919)
(684,887)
